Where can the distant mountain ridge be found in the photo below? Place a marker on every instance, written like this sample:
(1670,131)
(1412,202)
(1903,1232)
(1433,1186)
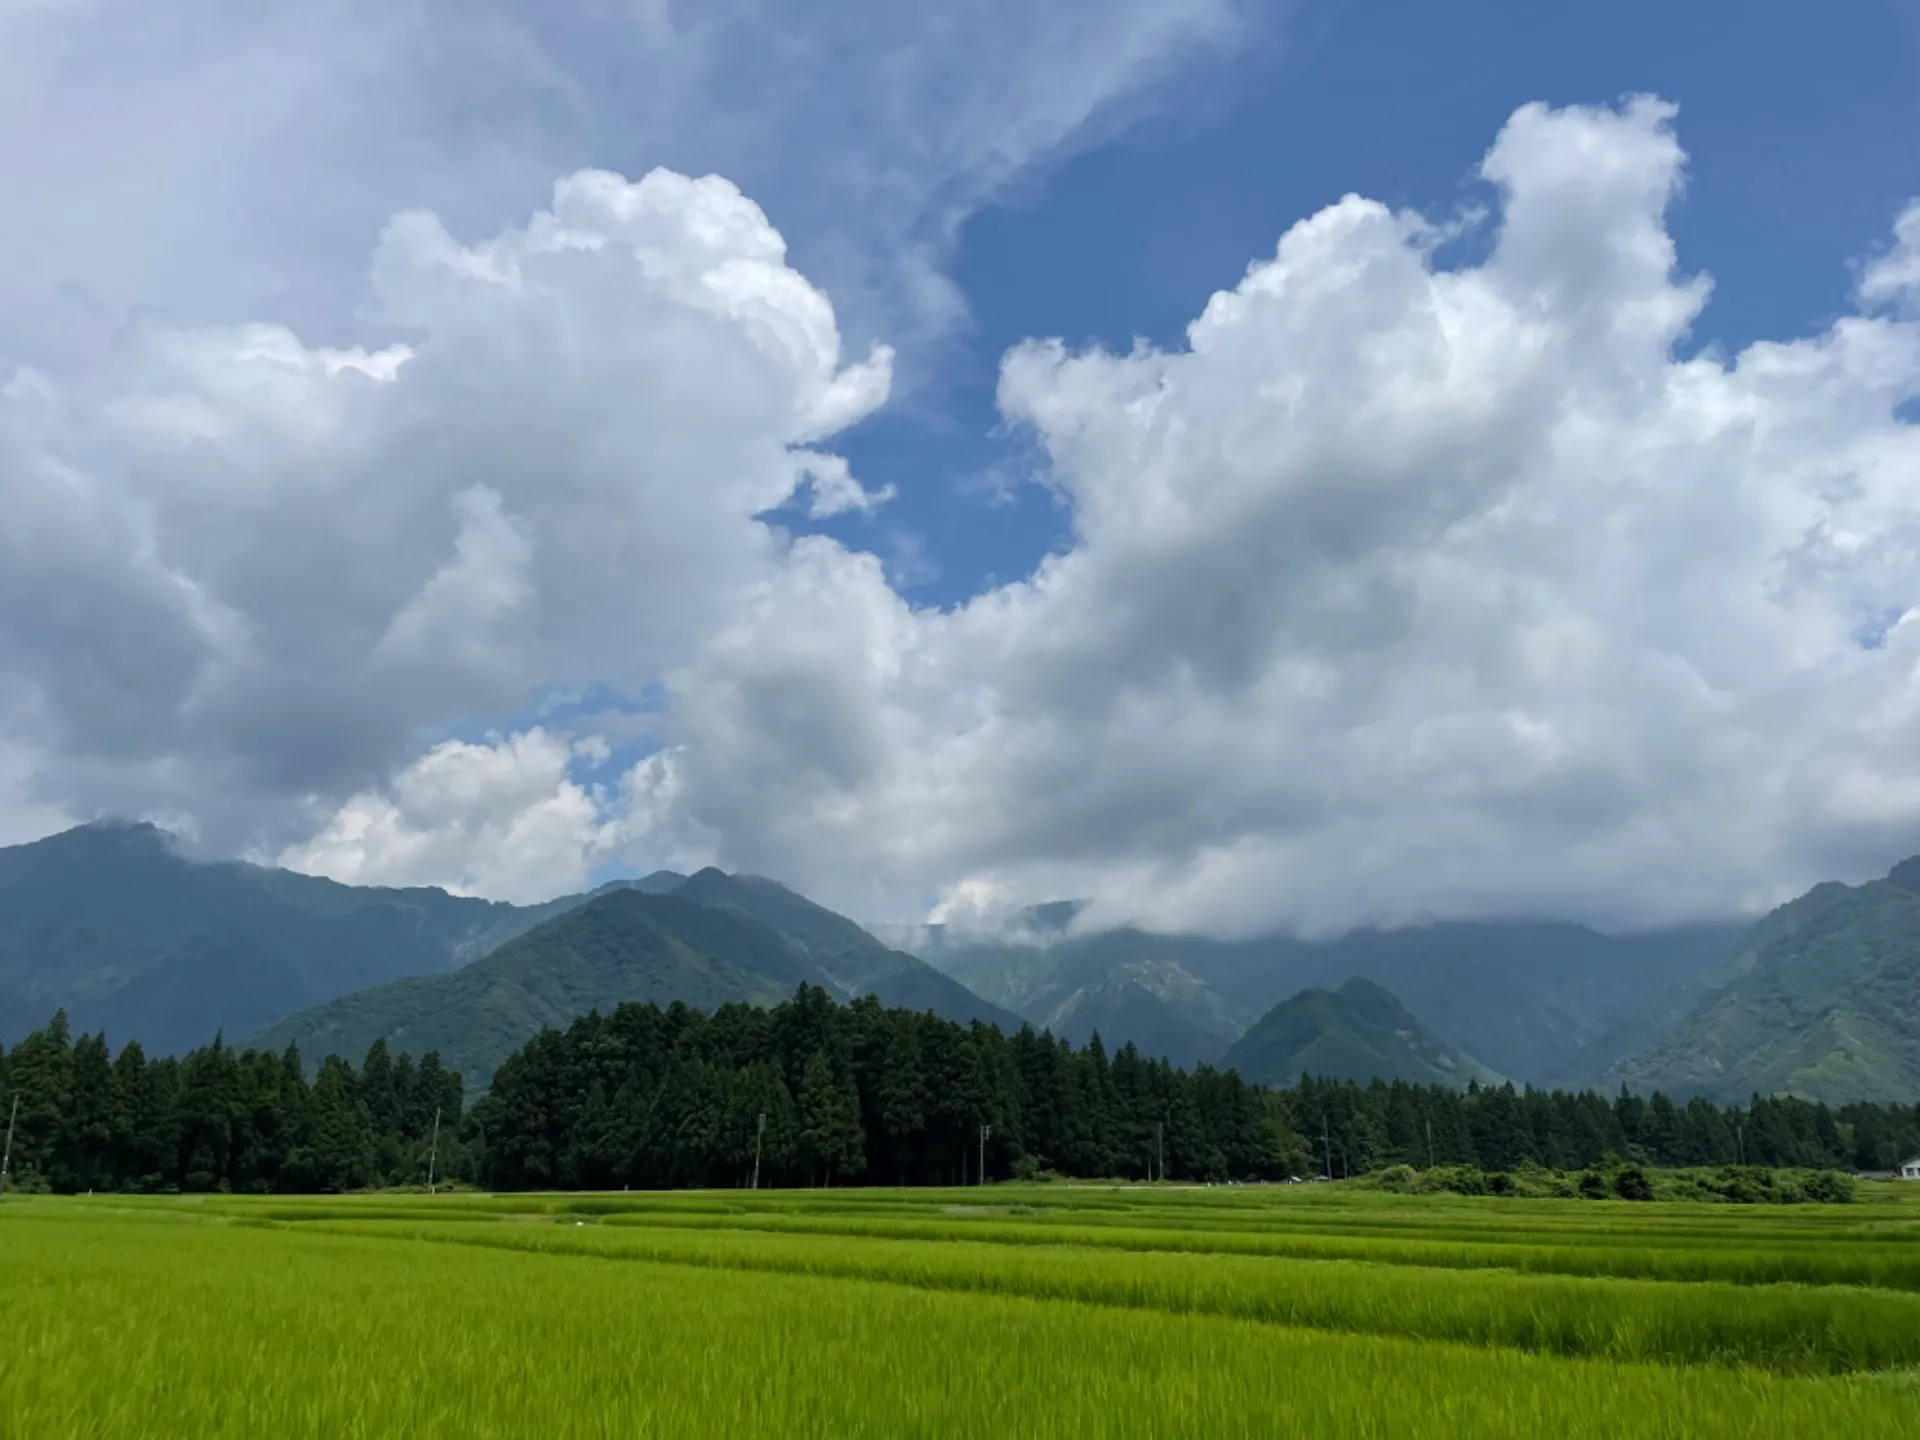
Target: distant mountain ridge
(1359,1032)
(854,961)
(1821,997)
(713,940)
(111,923)
(1542,1000)
(1142,997)
(623,944)
(1822,1001)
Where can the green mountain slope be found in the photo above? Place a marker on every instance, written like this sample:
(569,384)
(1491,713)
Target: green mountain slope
(622,945)
(1358,1032)
(1546,1001)
(1011,976)
(1133,994)
(1156,1005)
(1822,1001)
(112,924)
(853,960)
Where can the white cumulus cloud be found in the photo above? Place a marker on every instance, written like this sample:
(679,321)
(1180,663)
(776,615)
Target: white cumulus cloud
(1400,589)
(503,819)
(1403,587)
(240,573)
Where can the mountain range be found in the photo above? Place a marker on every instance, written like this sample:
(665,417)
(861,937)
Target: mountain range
(1541,1000)
(1821,1000)
(711,940)
(1360,1032)
(112,923)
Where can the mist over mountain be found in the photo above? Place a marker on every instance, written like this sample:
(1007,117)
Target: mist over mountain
(1821,999)
(1536,1000)
(114,924)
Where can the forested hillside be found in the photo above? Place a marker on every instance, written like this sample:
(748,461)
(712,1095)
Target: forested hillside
(624,945)
(1823,1000)
(112,924)
(1358,1032)
(648,1096)
(1546,1002)
(218,1119)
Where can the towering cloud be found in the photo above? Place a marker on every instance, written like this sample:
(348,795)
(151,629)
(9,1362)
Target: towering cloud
(1408,585)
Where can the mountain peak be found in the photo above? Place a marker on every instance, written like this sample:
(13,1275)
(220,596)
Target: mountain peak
(1906,875)
(1359,1032)
(110,833)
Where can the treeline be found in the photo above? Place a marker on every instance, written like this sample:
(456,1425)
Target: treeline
(1354,1129)
(817,1093)
(860,1094)
(852,1094)
(218,1119)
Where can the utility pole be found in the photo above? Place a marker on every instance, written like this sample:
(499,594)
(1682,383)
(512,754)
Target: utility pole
(1160,1144)
(1429,1142)
(6,1155)
(757,1134)
(985,1131)
(1326,1144)
(433,1155)
(1740,1139)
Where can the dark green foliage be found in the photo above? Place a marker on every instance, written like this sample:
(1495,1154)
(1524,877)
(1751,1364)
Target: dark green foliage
(1621,1180)
(111,924)
(1828,1187)
(705,945)
(650,1097)
(221,1120)
(852,960)
(623,945)
(1354,1129)
(1117,985)
(1630,1182)
(1551,1002)
(855,1092)
(1354,1033)
(1823,1000)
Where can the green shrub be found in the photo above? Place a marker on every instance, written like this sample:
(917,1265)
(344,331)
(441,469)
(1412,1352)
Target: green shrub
(1828,1187)
(1454,1180)
(1743,1184)
(1631,1183)
(1400,1179)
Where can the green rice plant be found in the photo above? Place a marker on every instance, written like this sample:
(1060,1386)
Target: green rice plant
(119,1328)
(1790,1329)
(1891,1267)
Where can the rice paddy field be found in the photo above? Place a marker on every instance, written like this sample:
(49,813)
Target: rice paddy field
(1042,1311)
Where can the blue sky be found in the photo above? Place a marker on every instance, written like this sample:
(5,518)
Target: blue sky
(387,447)
(1802,126)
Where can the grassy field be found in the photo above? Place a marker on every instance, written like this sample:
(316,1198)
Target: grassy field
(1045,1311)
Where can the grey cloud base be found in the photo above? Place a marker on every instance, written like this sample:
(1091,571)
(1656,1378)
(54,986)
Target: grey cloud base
(1400,591)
